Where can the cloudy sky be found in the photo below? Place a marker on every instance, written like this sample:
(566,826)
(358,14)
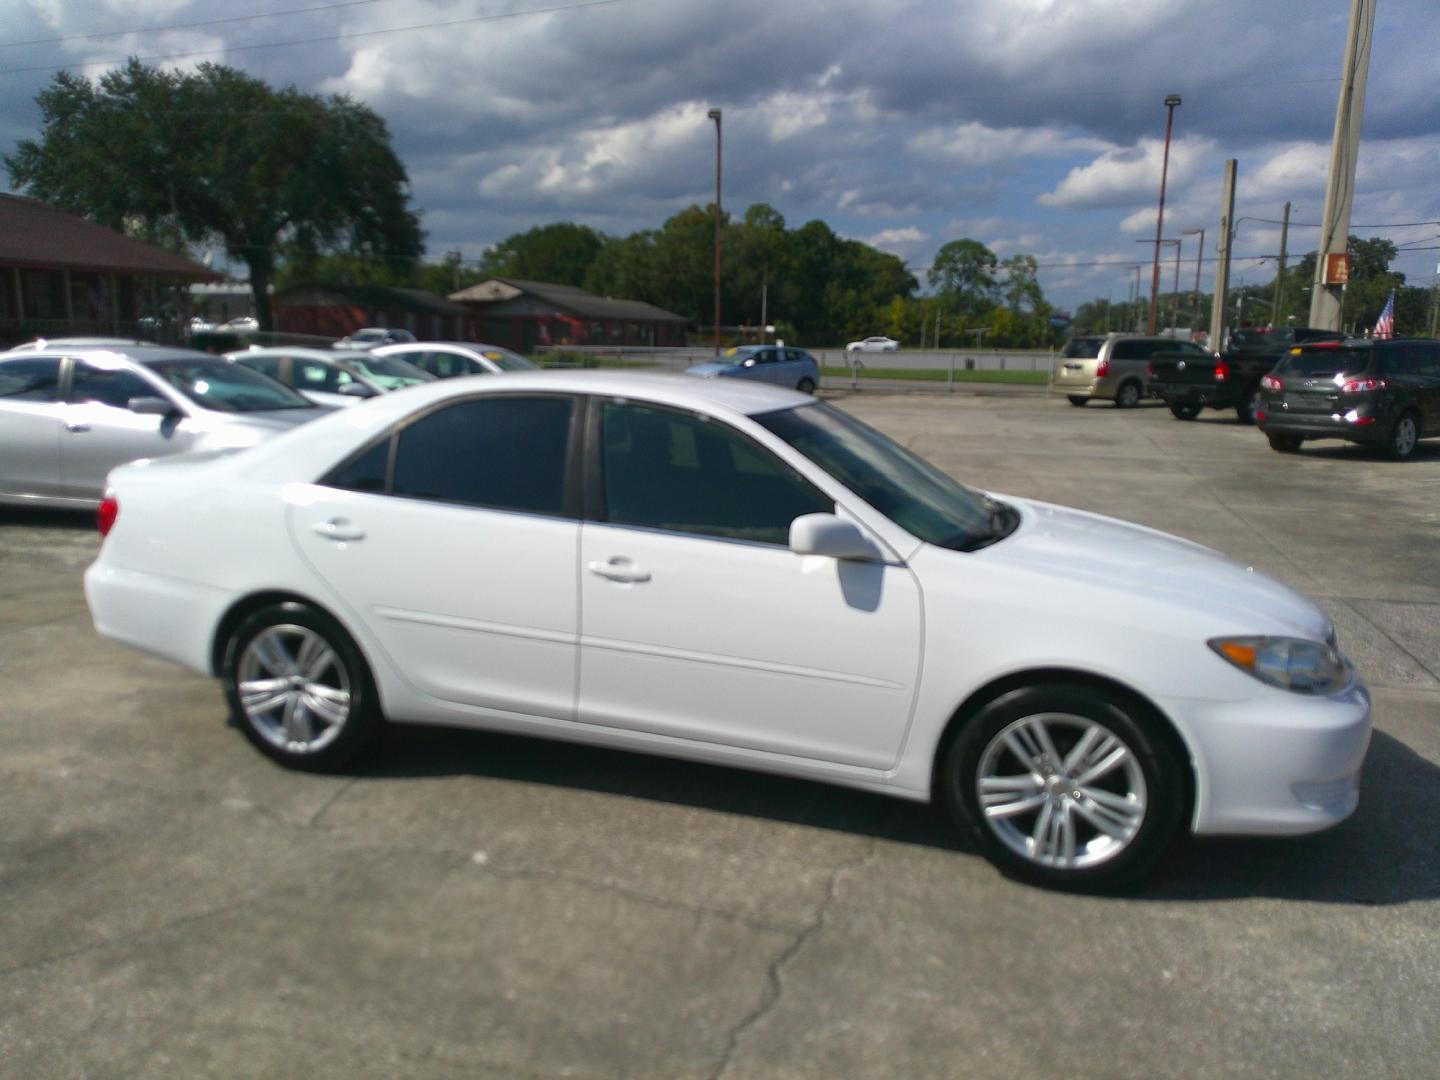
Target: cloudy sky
(1034,126)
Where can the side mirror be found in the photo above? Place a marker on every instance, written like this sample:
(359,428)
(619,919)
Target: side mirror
(152,406)
(355,389)
(831,536)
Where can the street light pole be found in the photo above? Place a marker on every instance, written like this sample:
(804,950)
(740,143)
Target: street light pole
(714,114)
(1199,255)
(1171,101)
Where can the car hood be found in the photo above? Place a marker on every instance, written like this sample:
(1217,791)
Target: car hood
(272,421)
(711,367)
(1082,549)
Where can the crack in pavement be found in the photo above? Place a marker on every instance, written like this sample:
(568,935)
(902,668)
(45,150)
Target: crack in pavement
(775,987)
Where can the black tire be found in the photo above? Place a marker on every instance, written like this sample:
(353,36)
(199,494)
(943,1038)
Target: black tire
(328,715)
(1143,792)
(1248,406)
(1184,410)
(1127,396)
(1285,444)
(807,386)
(1404,435)
(1077,399)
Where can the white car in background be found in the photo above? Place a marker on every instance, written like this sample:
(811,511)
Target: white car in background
(447,359)
(333,379)
(735,573)
(873,344)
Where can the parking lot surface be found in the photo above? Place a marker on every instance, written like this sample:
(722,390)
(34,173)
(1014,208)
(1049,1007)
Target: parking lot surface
(174,904)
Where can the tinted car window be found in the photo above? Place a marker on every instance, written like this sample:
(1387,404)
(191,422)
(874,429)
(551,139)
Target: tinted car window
(1398,360)
(670,470)
(226,387)
(313,375)
(1086,348)
(30,380)
(369,471)
(1429,360)
(266,365)
(507,453)
(1322,363)
(1130,350)
(114,388)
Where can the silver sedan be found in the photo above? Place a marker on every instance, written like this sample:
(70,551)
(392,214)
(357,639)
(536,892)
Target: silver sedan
(71,413)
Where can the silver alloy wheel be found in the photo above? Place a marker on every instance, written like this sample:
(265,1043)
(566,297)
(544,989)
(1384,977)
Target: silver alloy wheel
(1128,396)
(1061,790)
(1405,436)
(294,688)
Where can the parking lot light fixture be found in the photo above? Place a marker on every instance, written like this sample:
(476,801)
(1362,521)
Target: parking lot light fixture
(714,114)
(1171,102)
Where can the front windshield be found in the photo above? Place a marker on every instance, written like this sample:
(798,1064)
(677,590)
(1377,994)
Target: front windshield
(389,371)
(506,360)
(226,387)
(900,484)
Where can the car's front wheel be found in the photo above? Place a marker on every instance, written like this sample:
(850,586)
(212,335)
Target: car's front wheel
(806,386)
(299,688)
(1066,786)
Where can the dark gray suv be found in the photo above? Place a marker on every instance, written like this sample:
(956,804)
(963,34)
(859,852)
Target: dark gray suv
(1383,393)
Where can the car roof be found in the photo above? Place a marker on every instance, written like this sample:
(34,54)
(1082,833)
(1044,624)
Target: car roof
(140,354)
(304,353)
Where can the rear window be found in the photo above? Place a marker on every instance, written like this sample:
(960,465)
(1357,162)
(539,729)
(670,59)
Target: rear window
(1083,348)
(1259,340)
(1323,363)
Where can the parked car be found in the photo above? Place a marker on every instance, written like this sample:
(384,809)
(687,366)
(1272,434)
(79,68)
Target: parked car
(1383,393)
(738,574)
(1112,367)
(335,379)
(70,414)
(371,336)
(782,365)
(447,359)
(1231,380)
(873,344)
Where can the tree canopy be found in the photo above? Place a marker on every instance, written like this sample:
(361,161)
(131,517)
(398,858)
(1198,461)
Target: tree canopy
(215,155)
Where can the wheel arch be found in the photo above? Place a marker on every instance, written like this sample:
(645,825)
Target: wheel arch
(1053,676)
(249,604)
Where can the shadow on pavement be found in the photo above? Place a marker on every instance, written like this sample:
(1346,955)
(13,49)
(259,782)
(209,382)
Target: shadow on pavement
(1385,854)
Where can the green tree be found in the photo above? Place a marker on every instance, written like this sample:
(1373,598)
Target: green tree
(963,271)
(560,254)
(215,155)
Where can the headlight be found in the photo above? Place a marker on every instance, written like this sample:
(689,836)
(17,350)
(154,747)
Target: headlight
(1305,667)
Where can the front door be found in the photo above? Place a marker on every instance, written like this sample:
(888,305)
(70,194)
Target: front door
(31,423)
(100,431)
(698,622)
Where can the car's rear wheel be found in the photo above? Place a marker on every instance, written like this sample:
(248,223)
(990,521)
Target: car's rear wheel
(806,386)
(1248,406)
(299,688)
(1404,434)
(1286,444)
(1077,399)
(1128,395)
(1066,786)
(1184,410)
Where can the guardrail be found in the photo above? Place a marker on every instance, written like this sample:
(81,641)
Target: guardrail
(949,360)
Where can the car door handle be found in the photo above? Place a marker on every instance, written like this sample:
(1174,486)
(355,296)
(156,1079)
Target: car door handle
(77,427)
(619,570)
(339,529)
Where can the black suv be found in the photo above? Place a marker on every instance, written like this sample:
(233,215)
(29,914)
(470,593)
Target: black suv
(1383,392)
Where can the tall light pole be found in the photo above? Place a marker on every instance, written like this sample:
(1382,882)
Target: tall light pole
(714,114)
(1199,255)
(1171,101)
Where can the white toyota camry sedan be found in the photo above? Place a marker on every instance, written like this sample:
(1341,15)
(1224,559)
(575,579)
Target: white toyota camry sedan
(738,574)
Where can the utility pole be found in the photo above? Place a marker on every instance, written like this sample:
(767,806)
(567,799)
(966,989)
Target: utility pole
(1275,311)
(1136,320)
(1327,296)
(1222,261)
(714,114)
(1199,255)
(1171,101)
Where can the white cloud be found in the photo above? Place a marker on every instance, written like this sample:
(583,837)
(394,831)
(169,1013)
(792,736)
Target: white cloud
(900,241)
(1125,175)
(975,144)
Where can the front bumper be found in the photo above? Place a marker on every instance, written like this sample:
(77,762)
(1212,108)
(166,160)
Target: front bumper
(1279,764)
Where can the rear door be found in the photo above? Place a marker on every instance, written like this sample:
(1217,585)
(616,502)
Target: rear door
(1309,377)
(31,423)
(1428,357)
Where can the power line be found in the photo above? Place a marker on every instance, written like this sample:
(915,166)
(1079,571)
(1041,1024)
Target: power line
(186,26)
(321,39)
(1316,224)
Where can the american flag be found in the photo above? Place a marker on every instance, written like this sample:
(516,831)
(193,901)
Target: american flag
(1385,325)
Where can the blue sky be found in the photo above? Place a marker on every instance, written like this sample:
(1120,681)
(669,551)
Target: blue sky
(1033,126)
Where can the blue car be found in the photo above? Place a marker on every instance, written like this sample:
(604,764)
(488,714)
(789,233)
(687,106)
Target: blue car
(778,364)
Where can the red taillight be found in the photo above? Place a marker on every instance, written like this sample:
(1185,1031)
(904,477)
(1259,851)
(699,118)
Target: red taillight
(1271,383)
(1150,370)
(106,515)
(1222,371)
(1361,386)
(1102,369)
